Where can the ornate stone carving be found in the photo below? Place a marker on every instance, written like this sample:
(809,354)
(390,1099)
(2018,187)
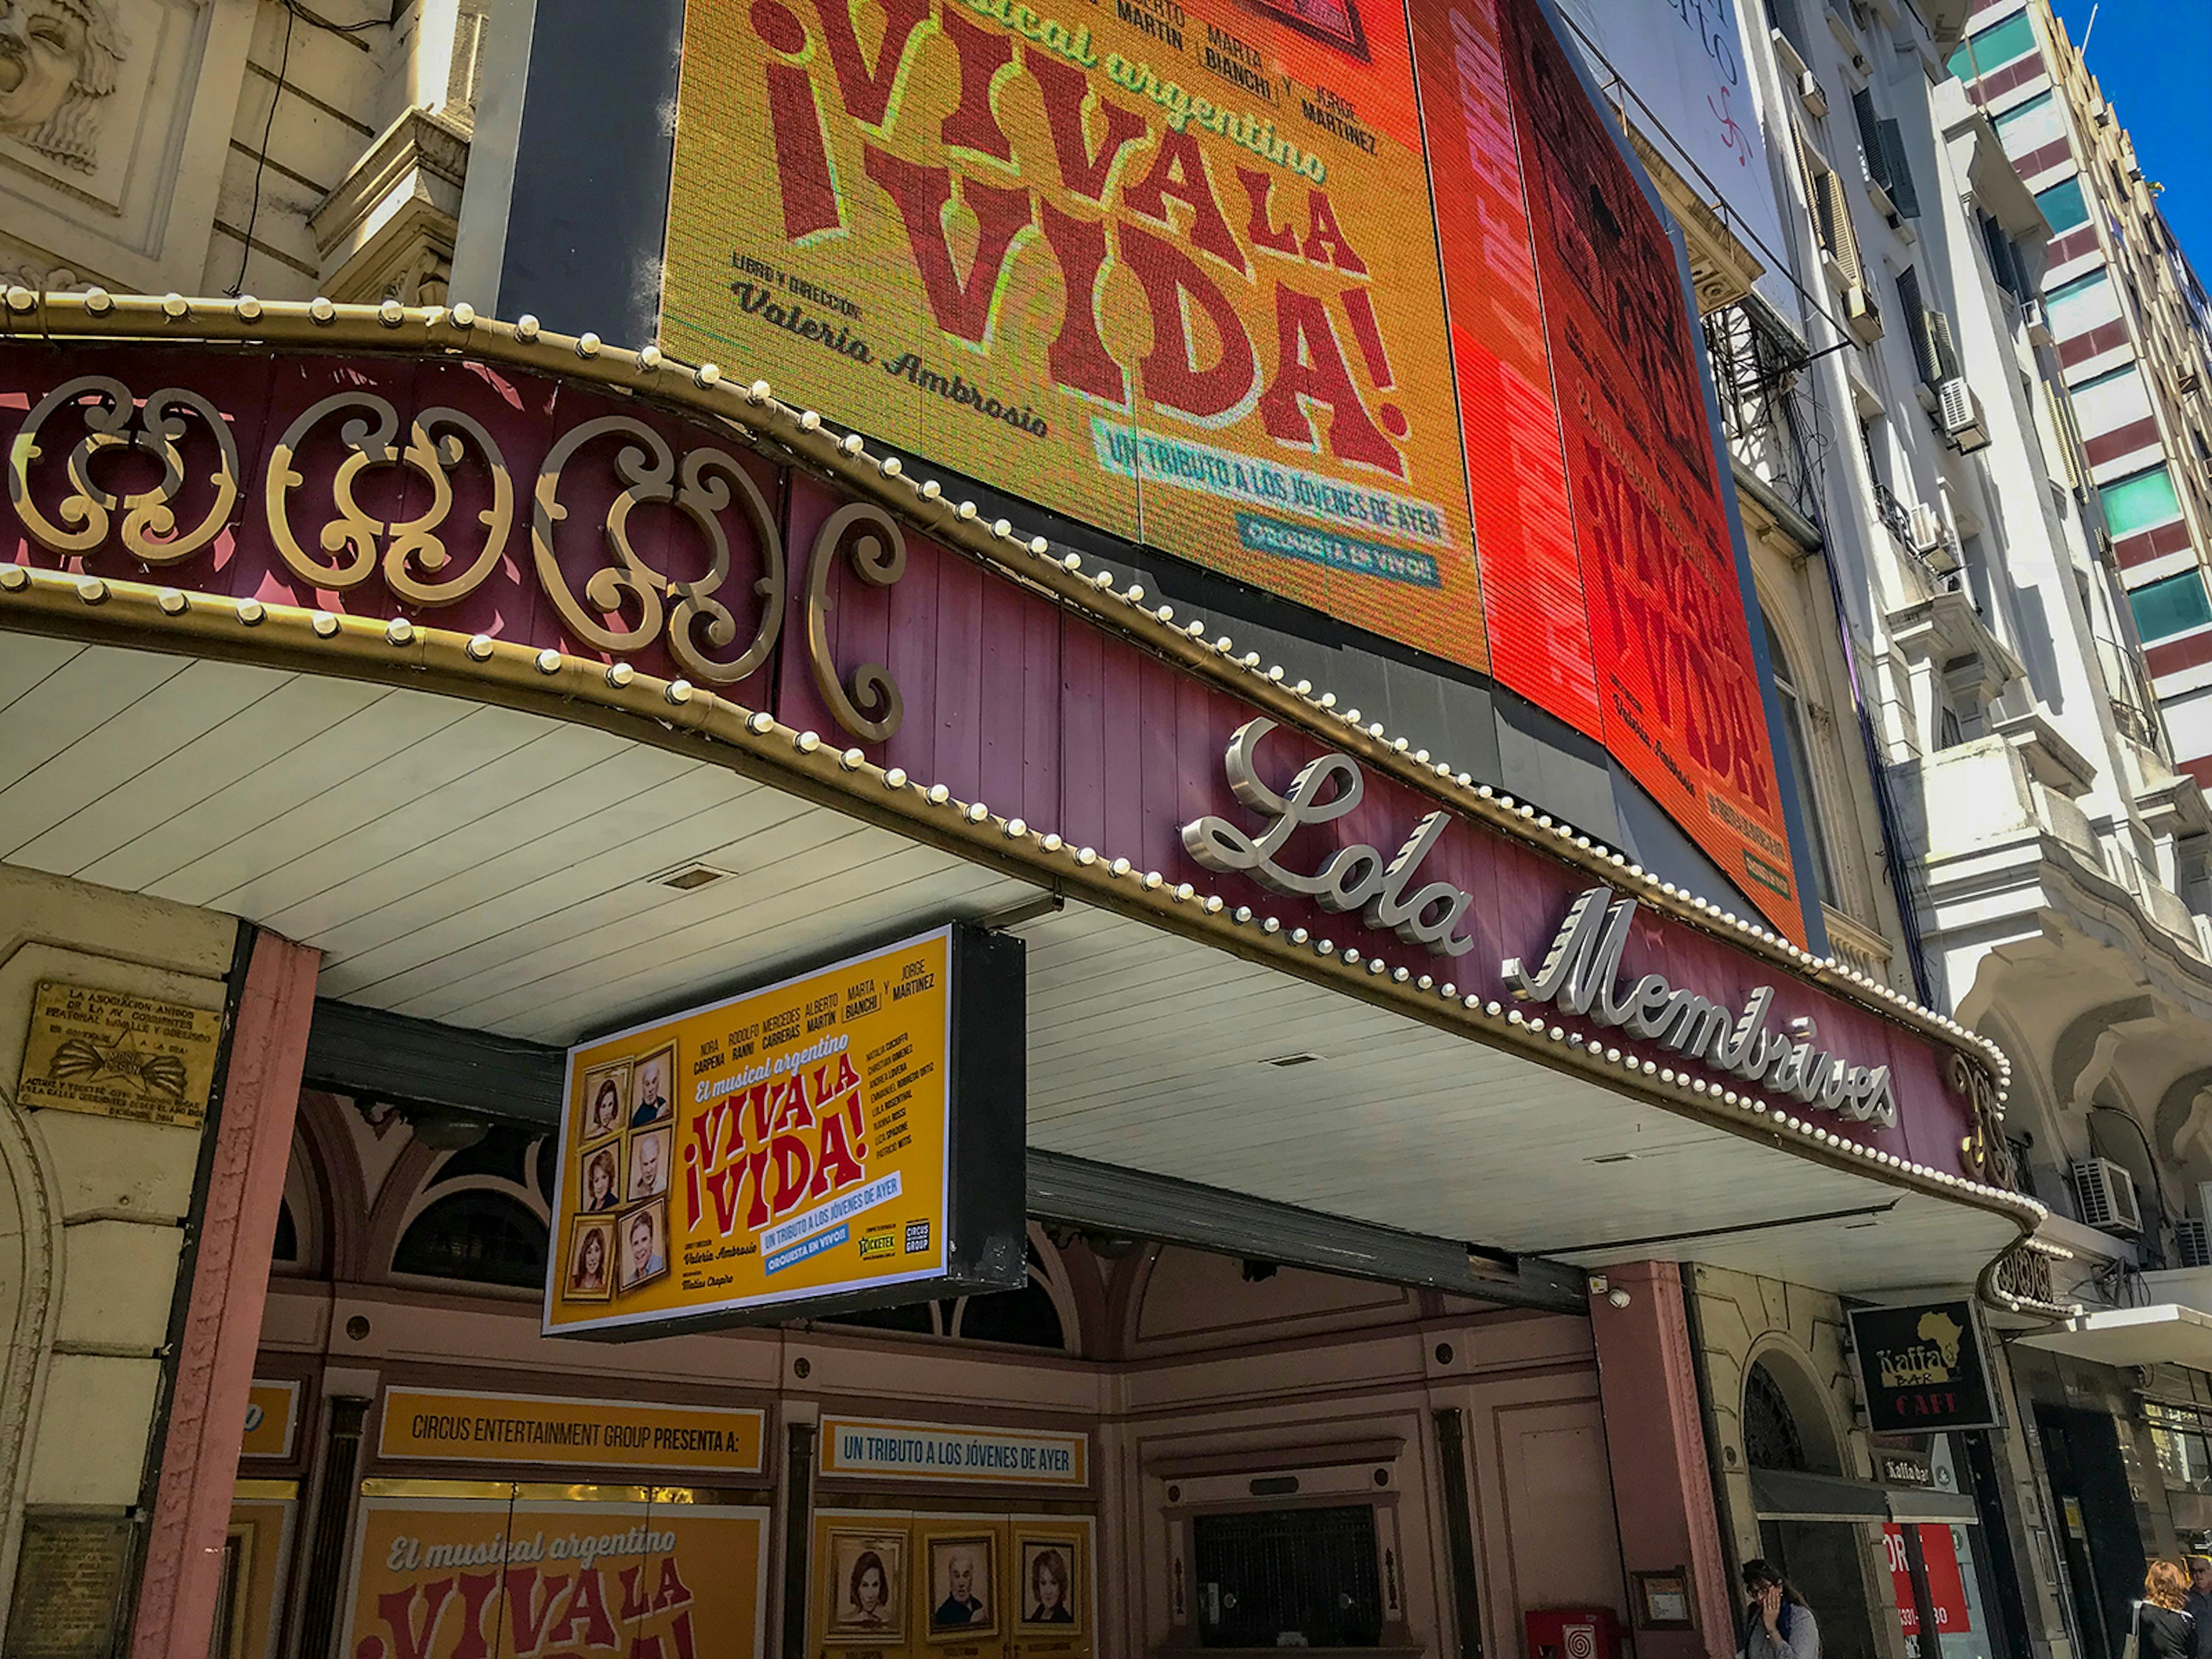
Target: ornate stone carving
(702,485)
(434,448)
(150,525)
(870,538)
(57,61)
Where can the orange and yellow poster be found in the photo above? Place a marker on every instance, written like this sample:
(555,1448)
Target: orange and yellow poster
(784,1146)
(1172,271)
(500,1578)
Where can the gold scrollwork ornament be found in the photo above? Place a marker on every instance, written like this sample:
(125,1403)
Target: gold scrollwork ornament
(701,486)
(149,521)
(872,540)
(434,448)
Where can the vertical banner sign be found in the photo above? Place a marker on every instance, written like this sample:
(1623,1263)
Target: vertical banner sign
(1169,269)
(1359,303)
(1920,1368)
(1679,697)
(850,1138)
(487,1578)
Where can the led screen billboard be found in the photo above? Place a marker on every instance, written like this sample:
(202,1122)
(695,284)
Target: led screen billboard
(1355,303)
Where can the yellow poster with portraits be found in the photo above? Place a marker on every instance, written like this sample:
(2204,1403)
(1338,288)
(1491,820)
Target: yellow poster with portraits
(488,1577)
(784,1147)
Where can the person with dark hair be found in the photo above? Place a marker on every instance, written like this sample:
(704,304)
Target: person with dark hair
(2198,1605)
(2164,1629)
(1778,1625)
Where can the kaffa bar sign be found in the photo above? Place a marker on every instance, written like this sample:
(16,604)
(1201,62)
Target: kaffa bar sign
(1920,1368)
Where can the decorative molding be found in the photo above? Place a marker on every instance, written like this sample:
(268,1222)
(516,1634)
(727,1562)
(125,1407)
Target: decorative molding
(871,539)
(150,526)
(34,1241)
(414,543)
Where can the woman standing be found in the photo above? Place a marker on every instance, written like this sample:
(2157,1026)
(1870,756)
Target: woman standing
(2163,1626)
(1778,1625)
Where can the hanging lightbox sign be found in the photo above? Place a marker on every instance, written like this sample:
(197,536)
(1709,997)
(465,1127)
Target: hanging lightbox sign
(851,1138)
(1922,1368)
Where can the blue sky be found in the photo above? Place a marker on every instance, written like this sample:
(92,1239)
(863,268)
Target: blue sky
(2154,58)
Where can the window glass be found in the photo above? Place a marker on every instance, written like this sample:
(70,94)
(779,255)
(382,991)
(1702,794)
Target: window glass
(2079,305)
(486,1237)
(1993,48)
(2172,607)
(2065,205)
(2030,125)
(2139,503)
(1281,1578)
(1800,762)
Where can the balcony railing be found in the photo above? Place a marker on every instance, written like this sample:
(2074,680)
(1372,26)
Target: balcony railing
(1757,358)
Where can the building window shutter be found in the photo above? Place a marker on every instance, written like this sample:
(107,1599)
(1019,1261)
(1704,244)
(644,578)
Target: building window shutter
(1899,184)
(1877,159)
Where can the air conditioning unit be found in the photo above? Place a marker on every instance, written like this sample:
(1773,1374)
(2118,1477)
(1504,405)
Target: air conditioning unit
(2193,1243)
(1816,100)
(1932,540)
(1861,312)
(2038,324)
(1962,413)
(2107,1197)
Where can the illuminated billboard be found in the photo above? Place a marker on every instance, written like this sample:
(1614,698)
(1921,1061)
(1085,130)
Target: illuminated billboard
(1354,302)
(849,1139)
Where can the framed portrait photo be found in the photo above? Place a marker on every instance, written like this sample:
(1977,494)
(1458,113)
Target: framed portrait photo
(600,1178)
(963,1586)
(1662,1600)
(867,1590)
(641,1244)
(652,1087)
(650,1151)
(591,1269)
(603,1106)
(1049,1595)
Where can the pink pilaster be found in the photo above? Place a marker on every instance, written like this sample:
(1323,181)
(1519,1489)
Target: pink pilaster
(222,1327)
(1662,1491)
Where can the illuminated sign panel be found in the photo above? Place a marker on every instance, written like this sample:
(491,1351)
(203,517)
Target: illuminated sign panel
(1357,303)
(848,1138)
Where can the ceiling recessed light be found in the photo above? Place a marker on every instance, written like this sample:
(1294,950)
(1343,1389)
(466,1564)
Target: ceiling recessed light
(1612,1157)
(1287,1060)
(690,877)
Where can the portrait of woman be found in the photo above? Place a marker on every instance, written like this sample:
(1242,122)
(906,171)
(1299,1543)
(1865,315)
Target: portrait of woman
(867,1587)
(648,1163)
(652,1078)
(591,1268)
(604,1100)
(599,1179)
(1049,1579)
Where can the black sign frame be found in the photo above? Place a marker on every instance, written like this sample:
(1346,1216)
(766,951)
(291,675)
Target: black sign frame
(1923,1368)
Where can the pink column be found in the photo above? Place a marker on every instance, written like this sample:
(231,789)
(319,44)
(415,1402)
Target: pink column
(1663,1491)
(230,1282)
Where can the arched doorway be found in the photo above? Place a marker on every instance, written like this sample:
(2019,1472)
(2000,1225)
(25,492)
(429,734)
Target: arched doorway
(1784,1430)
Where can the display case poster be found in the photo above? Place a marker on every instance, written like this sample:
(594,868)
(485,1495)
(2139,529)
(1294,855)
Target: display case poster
(794,1148)
(485,1579)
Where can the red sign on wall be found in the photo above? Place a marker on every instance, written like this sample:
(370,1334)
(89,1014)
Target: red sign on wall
(1946,1584)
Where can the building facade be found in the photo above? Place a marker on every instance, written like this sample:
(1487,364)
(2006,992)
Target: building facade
(2126,315)
(1386,1284)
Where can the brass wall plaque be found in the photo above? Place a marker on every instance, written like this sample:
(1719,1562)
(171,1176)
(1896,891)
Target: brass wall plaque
(115,1054)
(68,1581)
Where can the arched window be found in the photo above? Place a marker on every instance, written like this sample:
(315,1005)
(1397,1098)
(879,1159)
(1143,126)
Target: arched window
(483,1237)
(1801,761)
(1770,1439)
(287,1249)
(1028,1317)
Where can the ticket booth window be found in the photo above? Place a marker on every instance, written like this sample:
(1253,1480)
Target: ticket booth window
(1289,1578)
